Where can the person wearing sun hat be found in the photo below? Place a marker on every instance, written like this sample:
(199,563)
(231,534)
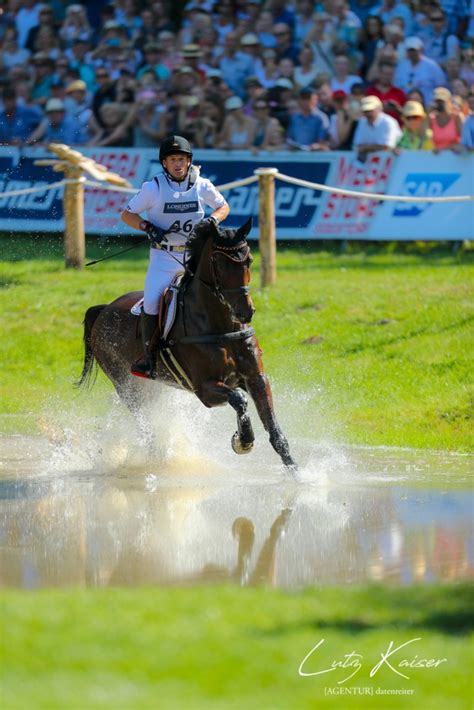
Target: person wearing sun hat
(415,134)
(56,127)
(376,130)
(445,122)
(238,131)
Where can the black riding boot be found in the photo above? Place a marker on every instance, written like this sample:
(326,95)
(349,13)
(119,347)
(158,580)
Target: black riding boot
(145,366)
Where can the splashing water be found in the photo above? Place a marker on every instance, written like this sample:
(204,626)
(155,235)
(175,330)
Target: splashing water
(86,503)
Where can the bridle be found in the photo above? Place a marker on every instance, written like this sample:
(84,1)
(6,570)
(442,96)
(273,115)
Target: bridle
(216,288)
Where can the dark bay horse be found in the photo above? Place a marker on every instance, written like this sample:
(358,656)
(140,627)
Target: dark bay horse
(210,349)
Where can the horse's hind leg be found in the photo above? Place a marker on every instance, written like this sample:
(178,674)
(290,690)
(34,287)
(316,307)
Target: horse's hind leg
(242,440)
(260,391)
(133,395)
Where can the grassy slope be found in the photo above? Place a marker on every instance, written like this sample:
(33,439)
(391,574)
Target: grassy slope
(229,647)
(401,382)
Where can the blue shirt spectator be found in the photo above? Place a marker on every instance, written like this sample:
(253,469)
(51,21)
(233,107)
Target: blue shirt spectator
(16,122)
(234,65)
(56,127)
(467,135)
(309,127)
(388,10)
(457,12)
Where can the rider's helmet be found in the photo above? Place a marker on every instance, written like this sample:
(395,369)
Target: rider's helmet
(175,144)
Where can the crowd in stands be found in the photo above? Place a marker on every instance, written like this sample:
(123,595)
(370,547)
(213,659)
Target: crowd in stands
(261,75)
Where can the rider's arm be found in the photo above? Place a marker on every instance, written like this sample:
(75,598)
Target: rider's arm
(221,213)
(131,218)
(141,202)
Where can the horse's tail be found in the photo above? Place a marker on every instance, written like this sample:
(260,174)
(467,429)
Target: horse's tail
(89,369)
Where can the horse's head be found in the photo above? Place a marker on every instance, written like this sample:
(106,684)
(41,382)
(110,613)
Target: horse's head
(230,268)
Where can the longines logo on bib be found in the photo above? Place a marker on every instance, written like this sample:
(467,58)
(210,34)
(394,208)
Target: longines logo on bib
(182,207)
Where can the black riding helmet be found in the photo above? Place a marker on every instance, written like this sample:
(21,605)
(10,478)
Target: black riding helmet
(175,144)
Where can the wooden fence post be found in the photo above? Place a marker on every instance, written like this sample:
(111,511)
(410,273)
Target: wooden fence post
(75,166)
(74,236)
(266,218)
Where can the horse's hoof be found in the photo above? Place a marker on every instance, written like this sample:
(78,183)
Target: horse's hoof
(238,447)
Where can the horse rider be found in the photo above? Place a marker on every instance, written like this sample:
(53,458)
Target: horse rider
(174,203)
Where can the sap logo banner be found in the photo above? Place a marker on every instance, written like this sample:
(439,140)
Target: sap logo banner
(423,185)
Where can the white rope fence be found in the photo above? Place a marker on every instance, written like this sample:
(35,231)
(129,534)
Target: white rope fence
(41,188)
(370,195)
(248,181)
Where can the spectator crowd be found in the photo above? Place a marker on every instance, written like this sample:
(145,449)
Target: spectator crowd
(261,75)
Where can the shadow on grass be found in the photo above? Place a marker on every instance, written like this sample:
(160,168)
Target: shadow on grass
(406,336)
(459,623)
(440,609)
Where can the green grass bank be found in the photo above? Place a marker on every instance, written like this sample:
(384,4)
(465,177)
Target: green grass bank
(229,648)
(378,340)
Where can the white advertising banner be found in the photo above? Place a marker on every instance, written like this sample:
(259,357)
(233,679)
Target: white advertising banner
(301,212)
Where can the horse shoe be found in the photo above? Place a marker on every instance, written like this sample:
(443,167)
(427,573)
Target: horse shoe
(237,445)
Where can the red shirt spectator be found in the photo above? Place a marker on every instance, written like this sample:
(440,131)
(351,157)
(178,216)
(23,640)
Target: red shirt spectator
(391,96)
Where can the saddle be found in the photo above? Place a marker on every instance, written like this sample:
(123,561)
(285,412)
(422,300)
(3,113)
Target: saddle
(167,308)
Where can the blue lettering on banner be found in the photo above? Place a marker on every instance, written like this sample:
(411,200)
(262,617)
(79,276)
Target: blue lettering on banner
(295,206)
(181,207)
(18,173)
(423,185)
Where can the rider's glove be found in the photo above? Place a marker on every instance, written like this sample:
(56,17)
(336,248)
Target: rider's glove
(154,233)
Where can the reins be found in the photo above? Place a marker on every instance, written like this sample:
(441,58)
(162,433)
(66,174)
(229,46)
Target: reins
(218,292)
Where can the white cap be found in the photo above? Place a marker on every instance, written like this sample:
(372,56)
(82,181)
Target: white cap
(371,103)
(413,43)
(54,105)
(233,102)
(249,39)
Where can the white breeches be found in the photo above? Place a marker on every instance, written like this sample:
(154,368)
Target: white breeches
(163,266)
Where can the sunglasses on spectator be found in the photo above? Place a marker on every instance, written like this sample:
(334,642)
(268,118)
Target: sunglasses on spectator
(437,19)
(413,118)
(281,34)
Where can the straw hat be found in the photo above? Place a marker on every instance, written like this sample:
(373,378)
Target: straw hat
(413,108)
(77,85)
(371,103)
(442,94)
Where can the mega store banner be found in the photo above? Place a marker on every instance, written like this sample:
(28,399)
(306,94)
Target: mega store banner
(301,212)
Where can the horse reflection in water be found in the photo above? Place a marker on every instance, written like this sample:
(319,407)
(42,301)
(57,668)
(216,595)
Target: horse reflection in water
(119,530)
(210,349)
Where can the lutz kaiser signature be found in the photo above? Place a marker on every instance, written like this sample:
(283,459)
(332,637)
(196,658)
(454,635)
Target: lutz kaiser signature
(391,658)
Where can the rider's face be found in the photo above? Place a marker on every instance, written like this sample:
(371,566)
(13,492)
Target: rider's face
(177,165)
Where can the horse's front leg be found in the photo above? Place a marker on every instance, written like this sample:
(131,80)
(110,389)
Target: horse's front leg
(243,439)
(261,393)
(213,393)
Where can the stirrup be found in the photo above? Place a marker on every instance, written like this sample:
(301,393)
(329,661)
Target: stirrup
(141,368)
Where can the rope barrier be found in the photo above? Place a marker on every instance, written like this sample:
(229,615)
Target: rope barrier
(42,188)
(371,195)
(248,181)
(238,183)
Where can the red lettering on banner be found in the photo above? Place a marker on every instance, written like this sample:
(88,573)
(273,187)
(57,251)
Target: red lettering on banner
(103,207)
(343,214)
